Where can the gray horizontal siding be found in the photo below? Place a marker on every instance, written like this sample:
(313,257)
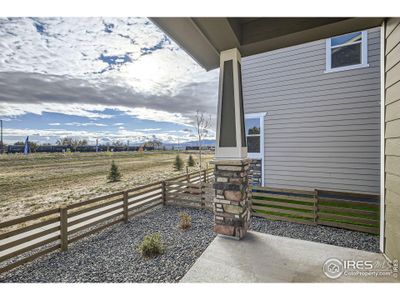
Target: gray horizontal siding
(311,63)
(322,130)
(304,50)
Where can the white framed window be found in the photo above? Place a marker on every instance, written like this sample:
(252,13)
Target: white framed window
(254,126)
(347,52)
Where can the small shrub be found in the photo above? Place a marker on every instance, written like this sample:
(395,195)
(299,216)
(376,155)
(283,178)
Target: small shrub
(114,174)
(191,161)
(185,221)
(178,163)
(151,245)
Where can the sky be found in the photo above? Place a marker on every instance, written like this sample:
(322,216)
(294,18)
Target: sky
(107,78)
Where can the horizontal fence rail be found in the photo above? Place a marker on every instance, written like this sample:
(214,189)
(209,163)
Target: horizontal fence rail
(27,238)
(196,195)
(352,211)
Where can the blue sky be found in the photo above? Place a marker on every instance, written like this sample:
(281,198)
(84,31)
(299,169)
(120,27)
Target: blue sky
(107,78)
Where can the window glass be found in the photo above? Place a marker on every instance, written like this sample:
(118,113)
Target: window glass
(346,56)
(252,126)
(253,144)
(253,135)
(346,39)
(346,50)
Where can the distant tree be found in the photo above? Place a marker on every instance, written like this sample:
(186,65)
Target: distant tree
(114,174)
(118,144)
(77,143)
(156,144)
(3,146)
(32,145)
(191,161)
(83,142)
(254,130)
(74,143)
(178,163)
(66,141)
(202,125)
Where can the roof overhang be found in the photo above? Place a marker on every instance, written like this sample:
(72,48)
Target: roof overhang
(205,38)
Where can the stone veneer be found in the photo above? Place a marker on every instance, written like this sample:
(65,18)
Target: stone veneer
(232,207)
(255,172)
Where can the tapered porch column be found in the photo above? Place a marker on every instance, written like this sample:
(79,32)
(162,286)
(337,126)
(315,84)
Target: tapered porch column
(231,166)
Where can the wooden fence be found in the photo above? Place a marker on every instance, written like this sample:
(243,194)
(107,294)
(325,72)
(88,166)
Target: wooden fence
(30,237)
(353,211)
(194,193)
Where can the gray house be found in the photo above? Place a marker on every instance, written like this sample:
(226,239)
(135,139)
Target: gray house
(312,114)
(309,97)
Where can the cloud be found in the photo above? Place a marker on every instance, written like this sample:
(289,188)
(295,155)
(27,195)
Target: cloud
(54,124)
(37,93)
(82,67)
(150,129)
(75,109)
(79,124)
(143,113)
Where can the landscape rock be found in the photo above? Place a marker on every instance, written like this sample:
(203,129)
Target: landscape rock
(113,256)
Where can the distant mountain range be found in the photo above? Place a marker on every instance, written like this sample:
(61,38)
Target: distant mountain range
(196,143)
(191,143)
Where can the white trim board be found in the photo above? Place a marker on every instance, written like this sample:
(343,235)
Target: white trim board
(382,158)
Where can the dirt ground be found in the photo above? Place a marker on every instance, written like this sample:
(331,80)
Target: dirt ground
(38,182)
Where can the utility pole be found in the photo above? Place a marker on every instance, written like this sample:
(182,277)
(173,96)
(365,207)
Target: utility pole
(1,137)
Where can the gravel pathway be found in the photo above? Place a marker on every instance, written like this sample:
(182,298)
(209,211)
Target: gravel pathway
(321,234)
(112,255)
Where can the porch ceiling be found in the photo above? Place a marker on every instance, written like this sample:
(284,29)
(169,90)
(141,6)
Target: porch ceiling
(205,38)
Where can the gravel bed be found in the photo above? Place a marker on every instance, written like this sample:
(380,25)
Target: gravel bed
(112,255)
(321,234)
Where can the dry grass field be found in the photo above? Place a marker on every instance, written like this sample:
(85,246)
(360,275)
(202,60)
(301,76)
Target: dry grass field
(42,181)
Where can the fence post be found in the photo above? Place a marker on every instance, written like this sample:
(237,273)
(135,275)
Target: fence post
(205,175)
(316,206)
(164,193)
(187,174)
(64,227)
(125,199)
(202,197)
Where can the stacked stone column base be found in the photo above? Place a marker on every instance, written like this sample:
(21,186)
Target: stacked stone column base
(232,207)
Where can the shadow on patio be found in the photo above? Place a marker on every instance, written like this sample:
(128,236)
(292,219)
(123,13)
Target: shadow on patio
(263,257)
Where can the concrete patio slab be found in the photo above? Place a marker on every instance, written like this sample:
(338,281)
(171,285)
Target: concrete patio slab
(262,257)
